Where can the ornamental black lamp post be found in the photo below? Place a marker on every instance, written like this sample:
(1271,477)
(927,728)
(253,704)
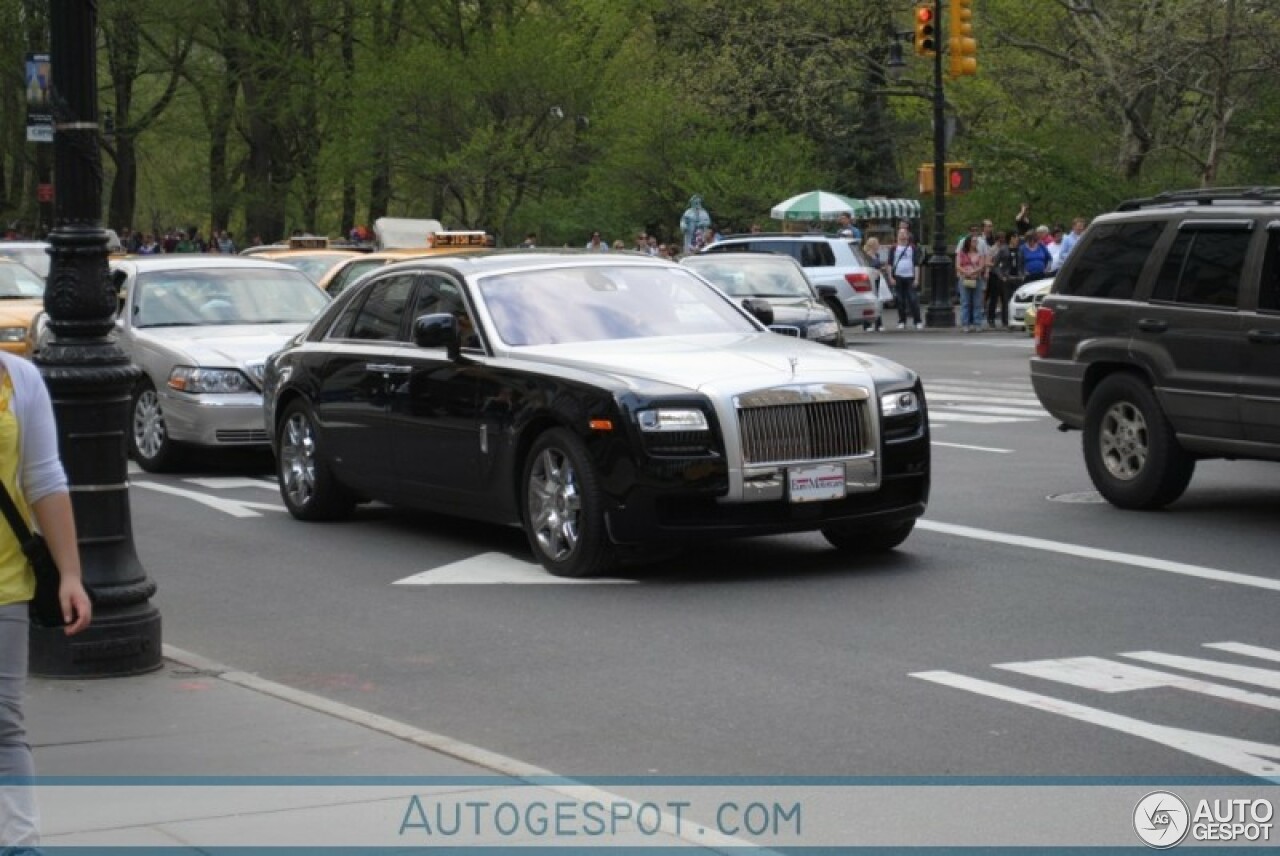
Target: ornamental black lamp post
(90,378)
(939,277)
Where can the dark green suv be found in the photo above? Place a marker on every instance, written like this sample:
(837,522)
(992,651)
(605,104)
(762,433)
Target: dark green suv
(1161,340)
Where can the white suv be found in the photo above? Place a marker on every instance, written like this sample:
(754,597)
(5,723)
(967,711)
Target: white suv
(827,260)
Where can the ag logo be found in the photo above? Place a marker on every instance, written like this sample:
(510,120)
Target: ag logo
(1161,819)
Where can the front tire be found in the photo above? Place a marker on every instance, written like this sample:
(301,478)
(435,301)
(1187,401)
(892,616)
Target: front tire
(1130,448)
(307,486)
(562,506)
(866,539)
(149,441)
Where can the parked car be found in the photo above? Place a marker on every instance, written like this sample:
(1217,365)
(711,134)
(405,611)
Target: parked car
(200,328)
(1161,340)
(1034,294)
(1022,301)
(21,300)
(827,260)
(604,402)
(775,290)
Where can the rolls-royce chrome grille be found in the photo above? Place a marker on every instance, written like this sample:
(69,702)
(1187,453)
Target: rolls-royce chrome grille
(804,424)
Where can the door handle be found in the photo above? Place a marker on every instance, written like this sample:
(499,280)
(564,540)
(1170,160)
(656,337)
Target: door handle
(1151,325)
(1264,337)
(387,368)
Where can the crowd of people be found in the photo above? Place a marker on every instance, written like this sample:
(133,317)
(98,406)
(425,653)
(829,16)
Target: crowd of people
(989,266)
(176,240)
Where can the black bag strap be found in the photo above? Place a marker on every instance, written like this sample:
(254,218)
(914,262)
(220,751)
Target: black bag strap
(11,514)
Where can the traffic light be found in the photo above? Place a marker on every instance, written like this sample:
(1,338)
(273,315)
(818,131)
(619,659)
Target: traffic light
(959,178)
(964,47)
(926,31)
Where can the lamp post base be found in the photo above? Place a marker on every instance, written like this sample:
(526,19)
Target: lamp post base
(940,314)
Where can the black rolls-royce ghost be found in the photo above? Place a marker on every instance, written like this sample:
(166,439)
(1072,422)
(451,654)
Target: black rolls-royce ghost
(604,402)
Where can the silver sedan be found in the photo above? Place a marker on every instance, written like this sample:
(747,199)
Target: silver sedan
(200,328)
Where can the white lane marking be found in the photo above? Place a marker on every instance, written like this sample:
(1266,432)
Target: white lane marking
(694,833)
(972,448)
(946,415)
(1083,552)
(1250,758)
(978,384)
(233,482)
(234,507)
(1108,676)
(946,408)
(1246,650)
(1227,671)
(934,394)
(495,569)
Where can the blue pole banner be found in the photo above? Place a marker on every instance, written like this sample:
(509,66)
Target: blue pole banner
(39,114)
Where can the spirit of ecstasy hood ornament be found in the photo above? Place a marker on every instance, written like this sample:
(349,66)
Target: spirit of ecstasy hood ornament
(794,362)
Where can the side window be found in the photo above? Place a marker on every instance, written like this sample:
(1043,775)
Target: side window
(380,314)
(1203,268)
(439,293)
(1269,287)
(816,254)
(1111,261)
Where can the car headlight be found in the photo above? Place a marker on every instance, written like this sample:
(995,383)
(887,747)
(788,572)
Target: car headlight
(13,334)
(823,329)
(899,403)
(198,380)
(672,420)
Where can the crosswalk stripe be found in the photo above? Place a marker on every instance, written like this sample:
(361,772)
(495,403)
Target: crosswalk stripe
(947,395)
(981,385)
(980,408)
(495,569)
(944,416)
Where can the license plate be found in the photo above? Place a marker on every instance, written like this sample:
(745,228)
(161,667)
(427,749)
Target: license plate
(816,483)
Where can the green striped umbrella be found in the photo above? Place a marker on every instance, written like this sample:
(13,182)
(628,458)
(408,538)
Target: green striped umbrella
(814,205)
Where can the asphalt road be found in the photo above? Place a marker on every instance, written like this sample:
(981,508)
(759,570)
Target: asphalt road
(1024,629)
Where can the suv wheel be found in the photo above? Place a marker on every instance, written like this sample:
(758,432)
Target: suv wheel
(1130,449)
(837,309)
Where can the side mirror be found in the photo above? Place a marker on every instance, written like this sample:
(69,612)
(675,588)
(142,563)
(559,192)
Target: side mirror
(760,309)
(438,330)
(827,292)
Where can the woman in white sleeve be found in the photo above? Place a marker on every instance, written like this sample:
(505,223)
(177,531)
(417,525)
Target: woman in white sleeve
(33,476)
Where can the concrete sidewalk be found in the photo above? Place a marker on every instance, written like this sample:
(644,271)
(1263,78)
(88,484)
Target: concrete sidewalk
(197,755)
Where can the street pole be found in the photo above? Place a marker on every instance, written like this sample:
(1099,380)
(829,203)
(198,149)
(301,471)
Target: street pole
(939,312)
(90,379)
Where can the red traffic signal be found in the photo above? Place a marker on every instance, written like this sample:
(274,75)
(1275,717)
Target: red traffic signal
(926,31)
(959,179)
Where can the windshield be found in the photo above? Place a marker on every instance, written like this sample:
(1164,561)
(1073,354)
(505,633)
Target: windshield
(315,267)
(17,281)
(34,258)
(588,304)
(757,277)
(200,297)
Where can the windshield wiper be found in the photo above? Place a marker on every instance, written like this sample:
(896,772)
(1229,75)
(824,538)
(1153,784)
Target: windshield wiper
(167,324)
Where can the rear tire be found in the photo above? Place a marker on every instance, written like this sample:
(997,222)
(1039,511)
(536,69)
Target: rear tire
(869,540)
(307,486)
(1130,449)
(837,309)
(562,507)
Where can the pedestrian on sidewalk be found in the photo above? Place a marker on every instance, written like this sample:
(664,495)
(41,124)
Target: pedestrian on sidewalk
(875,255)
(970,262)
(32,474)
(904,264)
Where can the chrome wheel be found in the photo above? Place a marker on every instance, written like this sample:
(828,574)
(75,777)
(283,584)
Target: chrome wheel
(1124,441)
(298,459)
(148,424)
(555,505)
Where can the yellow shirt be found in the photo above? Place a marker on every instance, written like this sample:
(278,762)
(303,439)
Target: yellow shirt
(17,582)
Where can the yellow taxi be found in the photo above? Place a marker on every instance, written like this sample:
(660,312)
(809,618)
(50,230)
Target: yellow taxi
(399,239)
(21,299)
(312,255)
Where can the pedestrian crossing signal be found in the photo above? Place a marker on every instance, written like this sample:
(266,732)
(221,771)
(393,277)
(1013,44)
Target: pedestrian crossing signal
(959,178)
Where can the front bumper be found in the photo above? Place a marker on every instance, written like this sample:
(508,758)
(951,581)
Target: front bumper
(214,420)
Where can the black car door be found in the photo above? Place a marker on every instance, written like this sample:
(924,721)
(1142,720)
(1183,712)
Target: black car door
(1193,327)
(1260,386)
(439,437)
(363,367)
